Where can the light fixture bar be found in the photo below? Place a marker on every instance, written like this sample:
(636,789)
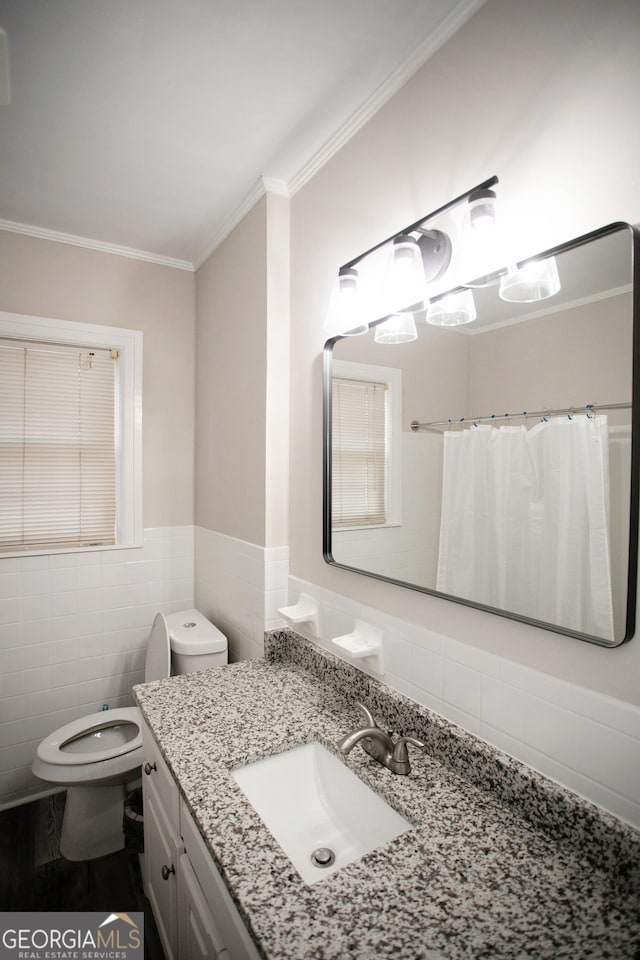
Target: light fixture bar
(419,224)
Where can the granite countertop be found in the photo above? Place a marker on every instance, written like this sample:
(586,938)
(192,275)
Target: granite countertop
(500,863)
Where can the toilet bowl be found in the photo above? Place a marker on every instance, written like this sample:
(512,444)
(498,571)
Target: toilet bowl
(96,756)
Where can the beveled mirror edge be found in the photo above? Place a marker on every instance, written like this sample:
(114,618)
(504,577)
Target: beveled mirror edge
(634,507)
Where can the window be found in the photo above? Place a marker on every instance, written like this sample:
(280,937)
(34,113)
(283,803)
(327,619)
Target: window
(365,426)
(70,431)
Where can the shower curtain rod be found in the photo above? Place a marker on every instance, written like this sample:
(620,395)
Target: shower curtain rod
(569,411)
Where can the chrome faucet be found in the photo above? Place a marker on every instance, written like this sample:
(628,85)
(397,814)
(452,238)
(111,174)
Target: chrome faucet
(380,745)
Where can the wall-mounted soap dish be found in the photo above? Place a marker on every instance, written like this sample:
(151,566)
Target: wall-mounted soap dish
(363,643)
(304,611)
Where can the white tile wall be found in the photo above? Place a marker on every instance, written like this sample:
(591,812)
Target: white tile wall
(577,737)
(74,627)
(239,586)
(73,634)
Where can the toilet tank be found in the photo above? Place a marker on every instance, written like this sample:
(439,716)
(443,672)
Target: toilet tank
(195,642)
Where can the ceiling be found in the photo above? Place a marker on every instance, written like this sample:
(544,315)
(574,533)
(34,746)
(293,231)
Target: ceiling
(151,126)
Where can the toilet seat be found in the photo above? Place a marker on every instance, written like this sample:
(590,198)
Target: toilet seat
(116,763)
(52,749)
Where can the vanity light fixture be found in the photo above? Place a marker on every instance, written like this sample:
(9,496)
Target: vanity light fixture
(416,257)
(452,310)
(399,328)
(344,316)
(534,280)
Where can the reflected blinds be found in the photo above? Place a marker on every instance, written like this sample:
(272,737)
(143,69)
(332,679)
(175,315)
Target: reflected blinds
(358,457)
(57,446)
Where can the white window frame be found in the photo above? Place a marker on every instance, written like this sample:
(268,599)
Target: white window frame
(392,378)
(128,343)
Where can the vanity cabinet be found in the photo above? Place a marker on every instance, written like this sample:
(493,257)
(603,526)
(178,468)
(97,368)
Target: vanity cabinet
(194,913)
(162,844)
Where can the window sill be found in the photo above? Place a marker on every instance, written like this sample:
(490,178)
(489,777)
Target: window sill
(50,551)
(367,526)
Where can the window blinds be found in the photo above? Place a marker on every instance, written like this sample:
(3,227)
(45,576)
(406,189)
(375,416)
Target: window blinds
(358,459)
(57,447)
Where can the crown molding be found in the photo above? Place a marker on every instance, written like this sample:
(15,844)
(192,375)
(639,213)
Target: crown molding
(549,310)
(430,45)
(277,187)
(261,188)
(43,233)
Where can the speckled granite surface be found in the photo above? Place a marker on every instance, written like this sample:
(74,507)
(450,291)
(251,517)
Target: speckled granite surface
(500,863)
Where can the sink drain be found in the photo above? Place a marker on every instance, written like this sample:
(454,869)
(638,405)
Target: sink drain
(323,857)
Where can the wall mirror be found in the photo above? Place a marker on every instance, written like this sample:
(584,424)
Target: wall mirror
(494,462)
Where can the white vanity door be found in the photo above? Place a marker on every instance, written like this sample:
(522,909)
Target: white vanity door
(221,908)
(162,851)
(198,935)
(162,843)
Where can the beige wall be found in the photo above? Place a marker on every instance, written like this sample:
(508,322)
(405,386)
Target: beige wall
(242,375)
(231,382)
(49,279)
(545,95)
(574,357)
(278,359)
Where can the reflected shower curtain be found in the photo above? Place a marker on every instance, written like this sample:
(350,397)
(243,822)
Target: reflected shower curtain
(525,521)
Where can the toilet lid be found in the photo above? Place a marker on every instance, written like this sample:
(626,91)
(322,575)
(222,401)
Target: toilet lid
(157,666)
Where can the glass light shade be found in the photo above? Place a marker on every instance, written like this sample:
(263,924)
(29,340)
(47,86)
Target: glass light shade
(482,244)
(481,211)
(453,310)
(344,316)
(400,328)
(404,282)
(536,280)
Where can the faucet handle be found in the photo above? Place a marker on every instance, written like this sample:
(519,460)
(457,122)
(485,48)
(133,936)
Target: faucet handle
(400,752)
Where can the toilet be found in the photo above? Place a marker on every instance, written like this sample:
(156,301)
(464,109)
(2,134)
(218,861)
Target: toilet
(96,756)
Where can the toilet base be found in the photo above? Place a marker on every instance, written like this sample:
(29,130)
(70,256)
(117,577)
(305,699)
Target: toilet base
(92,824)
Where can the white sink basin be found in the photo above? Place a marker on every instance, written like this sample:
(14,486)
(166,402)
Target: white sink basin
(311,801)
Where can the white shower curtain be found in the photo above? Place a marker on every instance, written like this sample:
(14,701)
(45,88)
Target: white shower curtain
(525,521)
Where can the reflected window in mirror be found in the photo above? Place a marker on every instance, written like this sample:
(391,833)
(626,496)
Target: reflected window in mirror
(366,406)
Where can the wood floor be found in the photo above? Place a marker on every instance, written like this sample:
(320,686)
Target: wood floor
(34,876)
